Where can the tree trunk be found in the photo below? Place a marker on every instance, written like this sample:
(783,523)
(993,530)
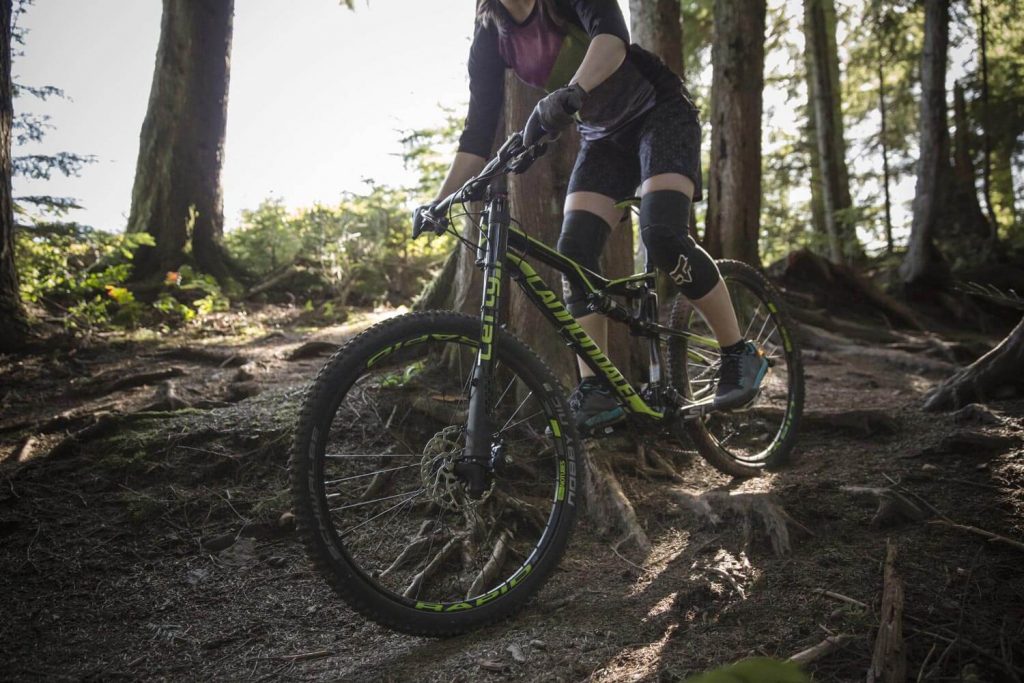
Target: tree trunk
(1002,368)
(536,199)
(177,192)
(656,26)
(814,164)
(824,91)
(923,264)
(883,133)
(13,322)
(972,222)
(986,124)
(734,203)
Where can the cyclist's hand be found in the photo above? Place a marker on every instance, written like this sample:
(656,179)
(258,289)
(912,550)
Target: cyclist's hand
(421,223)
(553,113)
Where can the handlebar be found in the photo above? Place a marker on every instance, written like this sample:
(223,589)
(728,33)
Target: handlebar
(512,157)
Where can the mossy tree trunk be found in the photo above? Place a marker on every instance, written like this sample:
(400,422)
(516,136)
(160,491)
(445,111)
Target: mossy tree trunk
(923,264)
(177,193)
(14,331)
(737,58)
(536,198)
(656,26)
(824,91)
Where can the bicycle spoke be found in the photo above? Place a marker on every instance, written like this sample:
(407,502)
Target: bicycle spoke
(368,502)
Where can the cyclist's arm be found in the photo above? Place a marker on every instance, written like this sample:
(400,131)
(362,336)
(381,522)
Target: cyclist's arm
(604,23)
(464,166)
(486,98)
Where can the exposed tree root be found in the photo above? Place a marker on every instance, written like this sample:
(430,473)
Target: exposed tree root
(167,398)
(862,422)
(893,507)
(493,564)
(1002,368)
(889,662)
(607,504)
(104,424)
(842,286)
(527,512)
(750,507)
(199,354)
(440,558)
(312,349)
(415,546)
(115,380)
(445,413)
(659,466)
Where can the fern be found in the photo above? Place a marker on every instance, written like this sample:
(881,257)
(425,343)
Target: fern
(991,293)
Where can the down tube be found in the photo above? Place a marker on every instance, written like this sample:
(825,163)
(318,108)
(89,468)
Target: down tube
(547,301)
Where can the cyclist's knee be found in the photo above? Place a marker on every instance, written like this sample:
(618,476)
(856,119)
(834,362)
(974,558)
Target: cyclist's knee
(664,218)
(583,238)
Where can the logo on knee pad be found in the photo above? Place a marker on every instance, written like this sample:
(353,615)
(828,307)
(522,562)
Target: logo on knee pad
(681,274)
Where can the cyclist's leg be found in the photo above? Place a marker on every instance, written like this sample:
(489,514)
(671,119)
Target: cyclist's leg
(589,218)
(669,150)
(665,208)
(605,172)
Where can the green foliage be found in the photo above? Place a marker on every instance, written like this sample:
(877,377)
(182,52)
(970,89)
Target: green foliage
(754,670)
(80,274)
(357,252)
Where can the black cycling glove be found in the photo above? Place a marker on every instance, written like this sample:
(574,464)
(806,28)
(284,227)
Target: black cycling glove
(420,224)
(553,113)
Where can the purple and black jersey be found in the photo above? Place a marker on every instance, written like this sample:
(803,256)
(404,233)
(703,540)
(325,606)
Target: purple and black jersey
(546,53)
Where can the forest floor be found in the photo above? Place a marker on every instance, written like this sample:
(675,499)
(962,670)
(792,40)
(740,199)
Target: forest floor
(143,539)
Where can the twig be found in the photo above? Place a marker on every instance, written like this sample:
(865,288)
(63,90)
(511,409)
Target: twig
(924,664)
(825,647)
(305,656)
(841,598)
(614,548)
(889,661)
(992,537)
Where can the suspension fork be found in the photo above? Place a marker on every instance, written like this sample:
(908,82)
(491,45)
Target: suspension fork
(475,464)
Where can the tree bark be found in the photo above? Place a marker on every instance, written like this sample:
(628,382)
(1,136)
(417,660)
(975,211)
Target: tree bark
(1000,368)
(986,124)
(824,91)
(656,26)
(923,264)
(536,199)
(177,193)
(13,322)
(734,202)
(883,136)
(964,195)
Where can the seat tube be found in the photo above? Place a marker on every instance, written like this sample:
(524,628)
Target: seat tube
(478,428)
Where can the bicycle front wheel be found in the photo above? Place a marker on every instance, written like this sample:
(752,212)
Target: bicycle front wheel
(380,509)
(761,435)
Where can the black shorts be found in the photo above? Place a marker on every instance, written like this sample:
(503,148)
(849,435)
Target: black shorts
(666,139)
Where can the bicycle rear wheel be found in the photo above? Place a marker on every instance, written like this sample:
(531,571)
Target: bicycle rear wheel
(760,436)
(380,509)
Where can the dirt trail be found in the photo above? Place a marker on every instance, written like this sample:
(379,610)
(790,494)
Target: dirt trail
(158,550)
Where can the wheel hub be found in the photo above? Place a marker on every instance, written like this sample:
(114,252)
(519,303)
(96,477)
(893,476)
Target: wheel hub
(437,470)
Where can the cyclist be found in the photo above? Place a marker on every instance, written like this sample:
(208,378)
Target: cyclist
(638,127)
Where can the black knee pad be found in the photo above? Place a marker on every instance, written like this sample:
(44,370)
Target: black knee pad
(583,238)
(664,219)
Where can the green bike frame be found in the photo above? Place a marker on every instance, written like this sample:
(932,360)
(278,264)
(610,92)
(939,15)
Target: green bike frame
(502,254)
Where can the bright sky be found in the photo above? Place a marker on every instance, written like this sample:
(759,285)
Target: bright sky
(317,101)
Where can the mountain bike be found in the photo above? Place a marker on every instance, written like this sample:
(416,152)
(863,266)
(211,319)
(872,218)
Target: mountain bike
(436,469)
